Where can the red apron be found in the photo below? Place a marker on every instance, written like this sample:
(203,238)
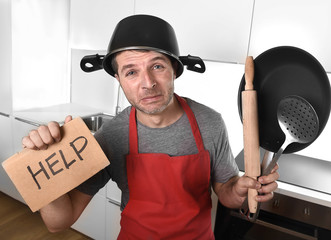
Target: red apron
(169,196)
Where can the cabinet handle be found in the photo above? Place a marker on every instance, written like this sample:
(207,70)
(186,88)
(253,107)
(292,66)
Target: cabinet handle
(27,121)
(4,114)
(114,202)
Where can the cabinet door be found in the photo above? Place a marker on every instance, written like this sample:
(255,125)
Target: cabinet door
(301,23)
(5,57)
(113,192)
(92,23)
(6,151)
(214,30)
(92,221)
(113,217)
(13,135)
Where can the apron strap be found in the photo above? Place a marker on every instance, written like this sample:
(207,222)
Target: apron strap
(133,133)
(193,123)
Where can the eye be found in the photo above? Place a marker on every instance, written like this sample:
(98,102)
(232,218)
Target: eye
(130,73)
(158,66)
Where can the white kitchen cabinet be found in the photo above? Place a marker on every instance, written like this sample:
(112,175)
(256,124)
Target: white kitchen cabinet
(92,222)
(301,23)
(19,130)
(40,38)
(214,30)
(92,22)
(113,217)
(113,192)
(6,143)
(5,57)
(113,212)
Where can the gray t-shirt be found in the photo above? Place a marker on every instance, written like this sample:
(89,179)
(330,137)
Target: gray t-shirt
(174,140)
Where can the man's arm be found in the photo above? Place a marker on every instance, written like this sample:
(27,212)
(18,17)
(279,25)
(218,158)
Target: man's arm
(233,193)
(64,211)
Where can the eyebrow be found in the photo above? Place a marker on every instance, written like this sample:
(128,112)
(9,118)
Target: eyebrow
(127,67)
(163,58)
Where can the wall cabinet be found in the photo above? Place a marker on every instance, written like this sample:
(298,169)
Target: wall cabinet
(298,23)
(217,31)
(5,57)
(92,24)
(214,30)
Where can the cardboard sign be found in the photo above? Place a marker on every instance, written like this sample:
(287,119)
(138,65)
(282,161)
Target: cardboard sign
(42,176)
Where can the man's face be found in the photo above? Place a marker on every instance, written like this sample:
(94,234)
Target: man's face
(147,79)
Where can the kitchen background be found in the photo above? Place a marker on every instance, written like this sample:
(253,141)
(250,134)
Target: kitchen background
(43,41)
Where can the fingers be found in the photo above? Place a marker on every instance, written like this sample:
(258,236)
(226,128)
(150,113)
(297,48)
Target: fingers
(244,183)
(268,185)
(40,138)
(265,185)
(44,136)
(54,130)
(265,189)
(28,143)
(265,197)
(273,176)
(68,119)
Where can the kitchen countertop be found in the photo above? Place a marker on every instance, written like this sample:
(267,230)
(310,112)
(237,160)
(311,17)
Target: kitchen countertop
(301,177)
(39,116)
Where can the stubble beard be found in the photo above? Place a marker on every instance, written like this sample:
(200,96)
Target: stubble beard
(161,108)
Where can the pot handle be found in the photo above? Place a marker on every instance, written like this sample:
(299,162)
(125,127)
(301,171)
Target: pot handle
(92,63)
(193,63)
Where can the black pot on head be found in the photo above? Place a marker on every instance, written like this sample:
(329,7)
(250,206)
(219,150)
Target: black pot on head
(143,32)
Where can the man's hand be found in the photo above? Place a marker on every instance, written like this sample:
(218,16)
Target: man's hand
(265,185)
(40,138)
(233,193)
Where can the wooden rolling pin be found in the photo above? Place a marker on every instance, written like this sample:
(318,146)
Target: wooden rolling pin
(251,132)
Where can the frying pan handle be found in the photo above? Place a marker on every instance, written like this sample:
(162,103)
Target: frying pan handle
(92,63)
(193,63)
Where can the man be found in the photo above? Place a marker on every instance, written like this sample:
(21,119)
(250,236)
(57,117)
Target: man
(166,152)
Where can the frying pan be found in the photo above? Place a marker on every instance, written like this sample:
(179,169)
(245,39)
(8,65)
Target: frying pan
(280,72)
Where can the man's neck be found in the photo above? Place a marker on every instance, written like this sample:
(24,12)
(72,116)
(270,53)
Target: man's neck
(163,119)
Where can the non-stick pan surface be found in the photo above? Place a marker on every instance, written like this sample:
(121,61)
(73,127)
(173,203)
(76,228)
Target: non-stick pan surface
(280,72)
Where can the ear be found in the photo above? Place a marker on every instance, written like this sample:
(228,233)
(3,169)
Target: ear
(175,66)
(117,77)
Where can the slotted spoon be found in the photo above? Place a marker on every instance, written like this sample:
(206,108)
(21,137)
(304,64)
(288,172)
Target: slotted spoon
(299,122)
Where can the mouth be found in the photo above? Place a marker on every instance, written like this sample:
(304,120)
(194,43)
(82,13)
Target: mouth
(151,99)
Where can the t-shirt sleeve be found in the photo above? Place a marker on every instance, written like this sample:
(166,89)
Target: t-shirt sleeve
(92,185)
(224,166)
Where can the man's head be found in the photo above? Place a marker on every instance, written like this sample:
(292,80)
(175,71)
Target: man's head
(143,32)
(147,79)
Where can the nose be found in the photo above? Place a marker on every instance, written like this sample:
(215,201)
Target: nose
(147,81)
